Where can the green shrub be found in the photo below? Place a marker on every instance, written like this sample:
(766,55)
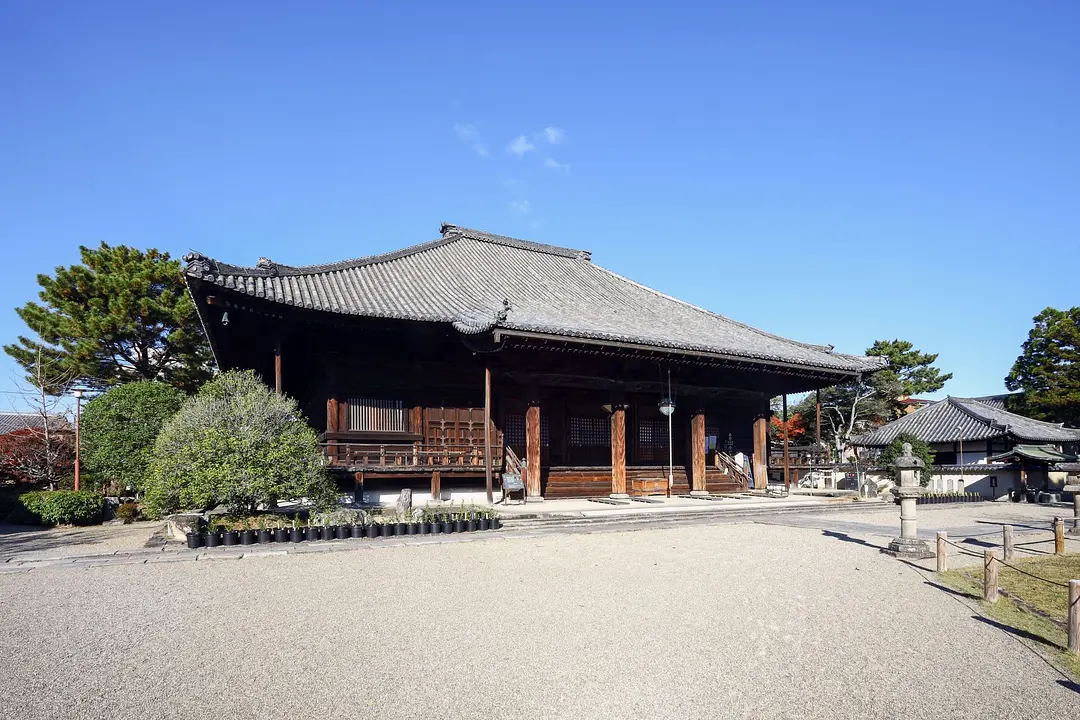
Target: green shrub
(238,444)
(64,507)
(918,448)
(128,512)
(119,428)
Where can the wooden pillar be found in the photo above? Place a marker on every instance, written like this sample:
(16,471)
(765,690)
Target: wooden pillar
(532,451)
(817,419)
(618,451)
(436,485)
(358,491)
(277,366)
(697,453)
(990,575)
(332,415)
(761,453)
(487,434)
(787,460)
(942,553)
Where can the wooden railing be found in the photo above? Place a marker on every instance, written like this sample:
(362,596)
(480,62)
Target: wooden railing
(727,463)
(404,455)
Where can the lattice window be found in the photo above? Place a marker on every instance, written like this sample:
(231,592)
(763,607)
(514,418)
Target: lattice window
(368,415)
(652,441)
(514,431)
(589,432)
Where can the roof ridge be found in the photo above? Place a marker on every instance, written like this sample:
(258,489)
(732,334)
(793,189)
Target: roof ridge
(958,403)
(828,349)
(199,264)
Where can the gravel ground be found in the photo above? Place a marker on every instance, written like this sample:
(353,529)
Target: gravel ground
(742,620)
(28,543)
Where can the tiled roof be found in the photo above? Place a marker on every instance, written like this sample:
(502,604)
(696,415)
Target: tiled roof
(13,422)
(952,419)
(478,282)
(1038,453)
(998,401)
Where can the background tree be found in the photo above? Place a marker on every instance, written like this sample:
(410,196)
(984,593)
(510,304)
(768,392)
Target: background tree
(120,426)
(1048,369)
(121,315)
(42,452)
(239,444)
(918,448)
(910,372)
(847,411)
(796,428)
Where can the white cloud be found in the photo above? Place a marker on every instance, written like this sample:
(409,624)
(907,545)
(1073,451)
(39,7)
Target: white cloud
(519,146)
(467,133)
(554,135)
(521,206)
(556,165)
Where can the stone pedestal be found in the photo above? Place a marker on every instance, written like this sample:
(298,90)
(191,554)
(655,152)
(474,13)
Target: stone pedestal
(908,545)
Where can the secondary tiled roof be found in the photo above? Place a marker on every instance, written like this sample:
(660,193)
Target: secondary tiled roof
(953,419)
(478,282)
(1038,453)
(13,422)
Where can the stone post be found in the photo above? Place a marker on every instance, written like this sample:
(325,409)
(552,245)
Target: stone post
(1075,529)
(908,545)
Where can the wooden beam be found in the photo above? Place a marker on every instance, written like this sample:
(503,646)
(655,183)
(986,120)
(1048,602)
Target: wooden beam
(487,434)
(761,453)
(436,485)
(618,451)
(277,366)
(787,460)
(532,450)
(697,451)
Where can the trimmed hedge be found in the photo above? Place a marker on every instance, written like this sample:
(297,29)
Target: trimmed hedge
(64,507)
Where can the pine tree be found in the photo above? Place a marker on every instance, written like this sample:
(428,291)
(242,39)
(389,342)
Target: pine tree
(910,372)
(1048,369)
(121,315)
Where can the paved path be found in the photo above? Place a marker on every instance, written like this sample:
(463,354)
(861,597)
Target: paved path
(723,620)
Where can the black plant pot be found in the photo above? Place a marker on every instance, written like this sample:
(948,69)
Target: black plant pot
(436,528)
(232,537)
(470,526)
(266,536)
(194,540)
(344,532)
(247,537)
(281,535)
(371,531)
(459,526)
(399,528)
(496,523)
(296,534)
(356,531)
(212,539)
(388,530)
(311,533)
(423,528)
(328,532)
(410,528)
(483,524)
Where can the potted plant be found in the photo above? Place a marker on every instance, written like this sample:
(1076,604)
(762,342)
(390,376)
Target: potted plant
(265,534)
(247,533)
(400,524)
(459,519)
(496,523)
(311,531)
(358,527)
(213,534)
(329,528)
(483,522)
(371,528)
(230,536)
(194,537)
(281,532)
(470,519)
(297,533)
(447,522)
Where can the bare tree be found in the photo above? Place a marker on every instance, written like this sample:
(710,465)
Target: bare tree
(41,452)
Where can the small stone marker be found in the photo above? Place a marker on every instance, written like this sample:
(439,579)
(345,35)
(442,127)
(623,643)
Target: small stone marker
(404,502)
(908,545)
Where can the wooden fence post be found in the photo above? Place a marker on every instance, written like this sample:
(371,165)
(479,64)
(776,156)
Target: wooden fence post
(990,576)
(1074,616)
(1007,541)
(942,552)
(1059,536)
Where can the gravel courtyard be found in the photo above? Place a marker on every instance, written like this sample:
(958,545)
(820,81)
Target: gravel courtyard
(733,620)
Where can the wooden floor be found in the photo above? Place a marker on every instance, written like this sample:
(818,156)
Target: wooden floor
(577,482)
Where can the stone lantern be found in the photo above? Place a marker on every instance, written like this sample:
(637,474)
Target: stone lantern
(908,545)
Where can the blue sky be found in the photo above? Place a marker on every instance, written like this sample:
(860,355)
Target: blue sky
(833,171)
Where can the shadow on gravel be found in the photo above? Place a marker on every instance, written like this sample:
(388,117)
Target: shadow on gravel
(945,588)
(33,538)
(1013,631)
(1069,685)
(844,537)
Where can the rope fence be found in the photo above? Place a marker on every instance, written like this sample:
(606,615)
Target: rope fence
(991,563)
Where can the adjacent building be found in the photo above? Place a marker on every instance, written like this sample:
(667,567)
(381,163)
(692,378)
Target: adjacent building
(981,447)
